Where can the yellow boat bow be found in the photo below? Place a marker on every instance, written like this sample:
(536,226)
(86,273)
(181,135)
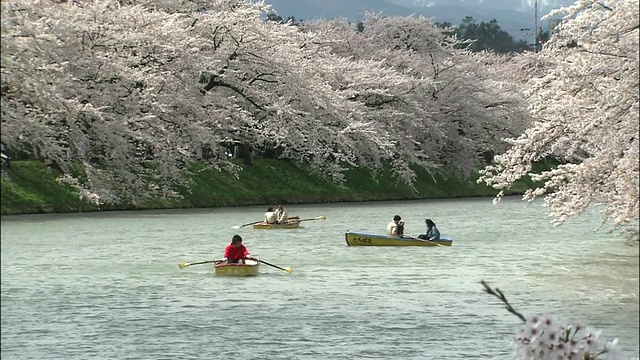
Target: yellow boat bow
(361,239)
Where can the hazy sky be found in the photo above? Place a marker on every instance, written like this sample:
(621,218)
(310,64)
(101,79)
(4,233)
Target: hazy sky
(508,4)
(541,3)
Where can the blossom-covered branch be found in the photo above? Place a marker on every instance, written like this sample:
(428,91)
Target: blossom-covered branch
(586,103)
(543,337)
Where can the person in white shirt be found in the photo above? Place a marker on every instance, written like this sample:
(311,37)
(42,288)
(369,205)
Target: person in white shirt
(396,227)
(270,216)
(281,214)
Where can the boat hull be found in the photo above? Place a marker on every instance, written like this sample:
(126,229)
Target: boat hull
(288,225)
(361,239)
(250,268)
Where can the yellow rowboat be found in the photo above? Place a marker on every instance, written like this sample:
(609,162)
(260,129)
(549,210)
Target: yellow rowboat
(360,239)
(288,225)
(249,268)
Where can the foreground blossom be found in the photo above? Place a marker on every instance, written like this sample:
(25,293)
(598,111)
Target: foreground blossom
(545,338)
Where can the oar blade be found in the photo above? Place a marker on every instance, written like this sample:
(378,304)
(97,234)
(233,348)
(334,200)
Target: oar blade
(183,265)
(288,270)
(315,218)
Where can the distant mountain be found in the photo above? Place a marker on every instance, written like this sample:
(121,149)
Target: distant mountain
(512,16)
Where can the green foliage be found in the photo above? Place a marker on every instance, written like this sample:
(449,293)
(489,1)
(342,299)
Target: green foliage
(485,36)
(31,187)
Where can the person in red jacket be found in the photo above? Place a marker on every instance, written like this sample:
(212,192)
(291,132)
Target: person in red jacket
(235,252)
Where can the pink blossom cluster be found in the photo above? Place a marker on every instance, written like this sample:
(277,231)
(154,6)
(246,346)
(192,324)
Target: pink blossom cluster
(543,338)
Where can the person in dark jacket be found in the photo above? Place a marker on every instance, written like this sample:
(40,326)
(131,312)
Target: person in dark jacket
(432,231)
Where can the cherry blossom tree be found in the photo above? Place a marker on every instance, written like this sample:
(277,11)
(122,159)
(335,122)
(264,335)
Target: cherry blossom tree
(102,88)
(133,93)
(122,95)
(587,106)
(458,105)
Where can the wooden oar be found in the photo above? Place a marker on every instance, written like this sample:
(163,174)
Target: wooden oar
(429,241)
(275,266)
(315,218)
(183,265)
(251,223)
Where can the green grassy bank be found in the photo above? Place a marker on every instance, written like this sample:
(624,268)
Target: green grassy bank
(31,187)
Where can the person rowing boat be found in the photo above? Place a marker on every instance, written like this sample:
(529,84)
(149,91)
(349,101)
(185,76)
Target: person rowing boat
(270,216)
(281,214)
(236,252)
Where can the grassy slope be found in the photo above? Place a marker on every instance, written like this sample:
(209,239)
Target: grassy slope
(32,188)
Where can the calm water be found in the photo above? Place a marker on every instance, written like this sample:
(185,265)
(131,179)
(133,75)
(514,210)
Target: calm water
(107,285)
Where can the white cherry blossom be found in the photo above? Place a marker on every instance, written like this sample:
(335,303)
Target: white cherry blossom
(586,103)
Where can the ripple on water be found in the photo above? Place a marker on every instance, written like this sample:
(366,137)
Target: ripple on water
(72,291)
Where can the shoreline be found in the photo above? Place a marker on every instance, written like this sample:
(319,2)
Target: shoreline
(30,187)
